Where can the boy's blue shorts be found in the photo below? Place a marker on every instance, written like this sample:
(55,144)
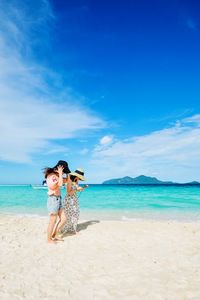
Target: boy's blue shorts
(54,204)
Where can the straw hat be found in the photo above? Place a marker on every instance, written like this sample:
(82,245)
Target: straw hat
(78,173)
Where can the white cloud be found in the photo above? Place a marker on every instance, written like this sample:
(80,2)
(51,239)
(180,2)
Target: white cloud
(172,154)
(29,126)
(35,109)
(106,140)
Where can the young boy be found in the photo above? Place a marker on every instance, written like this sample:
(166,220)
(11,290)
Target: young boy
(54,179)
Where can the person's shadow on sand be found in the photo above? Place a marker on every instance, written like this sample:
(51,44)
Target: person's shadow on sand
(84,225)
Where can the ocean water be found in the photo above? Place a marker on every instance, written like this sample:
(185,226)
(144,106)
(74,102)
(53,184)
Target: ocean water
(120,202)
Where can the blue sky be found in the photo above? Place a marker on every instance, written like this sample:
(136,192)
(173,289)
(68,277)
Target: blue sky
(109,86)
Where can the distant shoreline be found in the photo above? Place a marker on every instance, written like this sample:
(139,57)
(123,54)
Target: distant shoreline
(116,184)
(152,184)
(146,180)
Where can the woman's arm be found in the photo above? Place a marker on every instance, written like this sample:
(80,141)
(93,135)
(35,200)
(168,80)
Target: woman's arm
(80,189)
(70,191)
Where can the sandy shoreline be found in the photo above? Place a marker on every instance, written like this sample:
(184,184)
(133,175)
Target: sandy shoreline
(106,260)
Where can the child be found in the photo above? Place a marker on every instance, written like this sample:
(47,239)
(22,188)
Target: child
(54,181)
(70,204)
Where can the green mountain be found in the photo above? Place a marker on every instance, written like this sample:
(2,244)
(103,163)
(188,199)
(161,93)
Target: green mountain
(142,179)
(193,182)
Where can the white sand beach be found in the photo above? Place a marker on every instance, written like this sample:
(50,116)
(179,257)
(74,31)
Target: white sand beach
(106,260)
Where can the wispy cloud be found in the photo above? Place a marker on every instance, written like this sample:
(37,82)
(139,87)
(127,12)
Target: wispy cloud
(84,151)
(171,153)
(35,109)
(174,115)
(195,119)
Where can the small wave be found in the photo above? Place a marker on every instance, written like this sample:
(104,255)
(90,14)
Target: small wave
(22,214)
(124,218)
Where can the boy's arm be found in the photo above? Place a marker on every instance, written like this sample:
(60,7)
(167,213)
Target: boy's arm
(60,173)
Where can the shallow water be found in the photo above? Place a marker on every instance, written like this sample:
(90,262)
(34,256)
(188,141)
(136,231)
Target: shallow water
(121,202)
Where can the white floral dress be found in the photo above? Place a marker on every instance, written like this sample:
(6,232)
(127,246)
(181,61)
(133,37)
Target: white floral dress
(72,211)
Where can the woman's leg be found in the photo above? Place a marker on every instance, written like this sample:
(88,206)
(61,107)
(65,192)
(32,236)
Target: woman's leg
(52,222)
(68,214)
(75,218)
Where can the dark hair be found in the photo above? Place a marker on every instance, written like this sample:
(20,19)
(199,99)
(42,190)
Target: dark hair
(64,164)
(73,177)
(48,171)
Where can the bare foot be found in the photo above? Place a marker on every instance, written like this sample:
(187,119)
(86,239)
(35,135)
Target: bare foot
(59,239)
(70,233)
(51,242)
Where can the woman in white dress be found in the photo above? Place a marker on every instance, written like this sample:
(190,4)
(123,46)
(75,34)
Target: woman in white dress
(71,203)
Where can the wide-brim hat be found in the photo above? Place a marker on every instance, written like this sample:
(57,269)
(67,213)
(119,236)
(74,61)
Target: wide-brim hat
(64,164)
(78,173)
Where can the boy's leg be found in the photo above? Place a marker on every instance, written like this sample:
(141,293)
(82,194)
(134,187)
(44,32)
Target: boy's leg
(61,223)
(52,222)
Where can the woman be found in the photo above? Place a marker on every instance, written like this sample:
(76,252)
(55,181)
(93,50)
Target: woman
(70,204)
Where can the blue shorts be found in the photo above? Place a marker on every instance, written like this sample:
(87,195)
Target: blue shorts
(54,204)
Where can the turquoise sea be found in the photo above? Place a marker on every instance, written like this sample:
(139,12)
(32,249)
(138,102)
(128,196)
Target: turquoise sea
(121,202)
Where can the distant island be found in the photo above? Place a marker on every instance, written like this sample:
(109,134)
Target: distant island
(143,180)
